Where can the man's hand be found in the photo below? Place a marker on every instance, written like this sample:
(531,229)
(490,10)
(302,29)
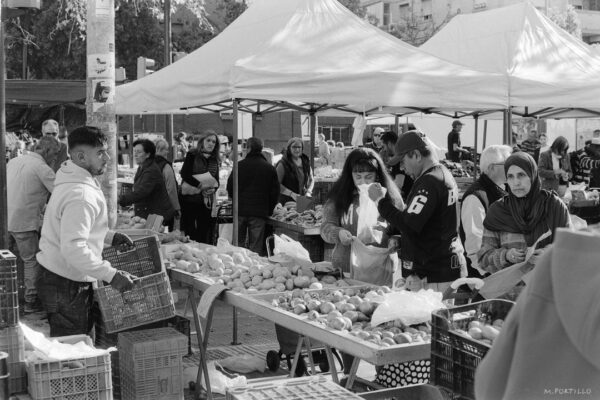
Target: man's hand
(122,241)
(345,237)
(376,192)
(122,281)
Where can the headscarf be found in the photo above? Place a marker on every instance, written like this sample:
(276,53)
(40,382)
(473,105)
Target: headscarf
(528,215)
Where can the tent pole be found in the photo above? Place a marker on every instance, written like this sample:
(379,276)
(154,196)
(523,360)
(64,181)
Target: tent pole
(484,134)
(397,123)
(313,133)
(234,195)
(475,150)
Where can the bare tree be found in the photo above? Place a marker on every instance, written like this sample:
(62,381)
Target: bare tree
(415,29)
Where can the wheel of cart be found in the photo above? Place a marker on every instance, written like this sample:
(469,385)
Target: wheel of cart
(224,215)
(288,344)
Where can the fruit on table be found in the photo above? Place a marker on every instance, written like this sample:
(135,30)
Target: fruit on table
(482,331)
(338,310)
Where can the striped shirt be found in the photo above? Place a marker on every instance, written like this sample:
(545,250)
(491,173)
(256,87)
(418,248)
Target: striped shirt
(583,164)
(530,147)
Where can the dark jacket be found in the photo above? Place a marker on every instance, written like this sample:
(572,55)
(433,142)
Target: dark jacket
(549,180)
(291,178)
(195,163)
(149,195)
(258,187)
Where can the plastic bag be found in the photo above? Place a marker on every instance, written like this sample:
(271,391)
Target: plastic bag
(244,363)
(286,245)
(408,307)
(367,217)
(372,264)
(219,382)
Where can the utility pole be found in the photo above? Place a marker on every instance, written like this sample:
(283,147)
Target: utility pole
(100,99)
(3,193)
(168,56)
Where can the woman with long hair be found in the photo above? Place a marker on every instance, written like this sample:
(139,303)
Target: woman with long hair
(341,211)
(363,166)
(555,166)
(197,199)
(294,172)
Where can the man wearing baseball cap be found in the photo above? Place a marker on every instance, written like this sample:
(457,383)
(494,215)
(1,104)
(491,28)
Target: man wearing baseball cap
(50,127)
(431,252)
(454,149)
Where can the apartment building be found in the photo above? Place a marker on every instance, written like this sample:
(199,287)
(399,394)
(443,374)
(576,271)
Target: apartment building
(426,16)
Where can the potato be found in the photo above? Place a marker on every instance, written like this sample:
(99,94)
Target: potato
(313,315)
(337,323)
(316,285)
(402,338)
(299,309)
(498,323)
(256,280)
(351,315)
(474,324)
(328,279)
(280,287)
(490,332)
(388,341)
(366,307)
(314,305)
(327,307)
(289,284)
(302,281)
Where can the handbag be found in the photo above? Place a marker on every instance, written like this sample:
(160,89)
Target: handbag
(189,190)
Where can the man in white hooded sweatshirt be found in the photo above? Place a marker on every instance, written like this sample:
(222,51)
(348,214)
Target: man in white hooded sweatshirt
(74,231)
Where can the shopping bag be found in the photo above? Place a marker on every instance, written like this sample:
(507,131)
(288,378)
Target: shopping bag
(372,264)
(286,245)
(187,189)
(367,217)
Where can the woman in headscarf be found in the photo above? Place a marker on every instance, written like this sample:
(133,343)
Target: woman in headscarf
(519,219)
(294,172)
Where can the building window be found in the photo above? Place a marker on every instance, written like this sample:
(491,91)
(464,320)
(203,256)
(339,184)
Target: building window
(578,7)
(427,17)
(386,14)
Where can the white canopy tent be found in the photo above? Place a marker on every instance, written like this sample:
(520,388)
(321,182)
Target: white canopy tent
(309,51)
(548,72)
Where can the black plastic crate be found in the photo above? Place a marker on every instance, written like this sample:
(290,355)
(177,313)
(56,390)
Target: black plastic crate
(143,260)
(455,357)
(9,290)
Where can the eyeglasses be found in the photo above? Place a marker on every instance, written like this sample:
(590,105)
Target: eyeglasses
(376,135)
(296,147)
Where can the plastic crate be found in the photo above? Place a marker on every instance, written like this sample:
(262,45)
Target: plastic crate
(9,290)
(149,301)
(313,388)
(86,378)
(151,365)
(12,342)
(455,357)
(145,259)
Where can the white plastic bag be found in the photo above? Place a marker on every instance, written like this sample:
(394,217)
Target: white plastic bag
(286,245)
(408,307)
(372,264)
(367,217)
(219,382)
(244,363)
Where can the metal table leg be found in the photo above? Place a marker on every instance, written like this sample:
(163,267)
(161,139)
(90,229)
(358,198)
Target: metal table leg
(202,368)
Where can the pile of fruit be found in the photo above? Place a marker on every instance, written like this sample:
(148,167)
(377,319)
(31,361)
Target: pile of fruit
(133,222)
(306,219)
(482,331)
(246,272)
(349,310)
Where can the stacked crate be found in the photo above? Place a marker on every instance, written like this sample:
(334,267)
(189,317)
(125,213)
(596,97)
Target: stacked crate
(151,365)
(11,336)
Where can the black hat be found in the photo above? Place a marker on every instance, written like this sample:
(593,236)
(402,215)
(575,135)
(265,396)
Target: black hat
(409,141)
(456,123)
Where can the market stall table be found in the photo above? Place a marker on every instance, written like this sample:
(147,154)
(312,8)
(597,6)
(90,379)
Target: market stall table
(361,349)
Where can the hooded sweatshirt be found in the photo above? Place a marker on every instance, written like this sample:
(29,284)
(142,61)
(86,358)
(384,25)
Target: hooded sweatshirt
(75,228)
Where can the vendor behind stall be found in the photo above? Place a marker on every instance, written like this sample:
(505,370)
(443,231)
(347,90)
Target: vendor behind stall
(149,194)
(294,172)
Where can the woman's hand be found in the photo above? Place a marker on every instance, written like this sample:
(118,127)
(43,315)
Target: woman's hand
(393,244)
(515,255)
(208,191)
(345,237)
(376,192)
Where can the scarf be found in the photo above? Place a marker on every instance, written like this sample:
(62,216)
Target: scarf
(528,215)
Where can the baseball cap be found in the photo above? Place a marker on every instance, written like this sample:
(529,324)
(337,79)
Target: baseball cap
(50,126)
(409,141)
(596,141)
(456,123)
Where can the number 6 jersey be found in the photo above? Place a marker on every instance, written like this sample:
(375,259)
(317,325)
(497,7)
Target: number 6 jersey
(430,246)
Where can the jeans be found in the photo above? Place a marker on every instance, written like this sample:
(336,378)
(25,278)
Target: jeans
(255,228)
(68,303)
(27,247)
